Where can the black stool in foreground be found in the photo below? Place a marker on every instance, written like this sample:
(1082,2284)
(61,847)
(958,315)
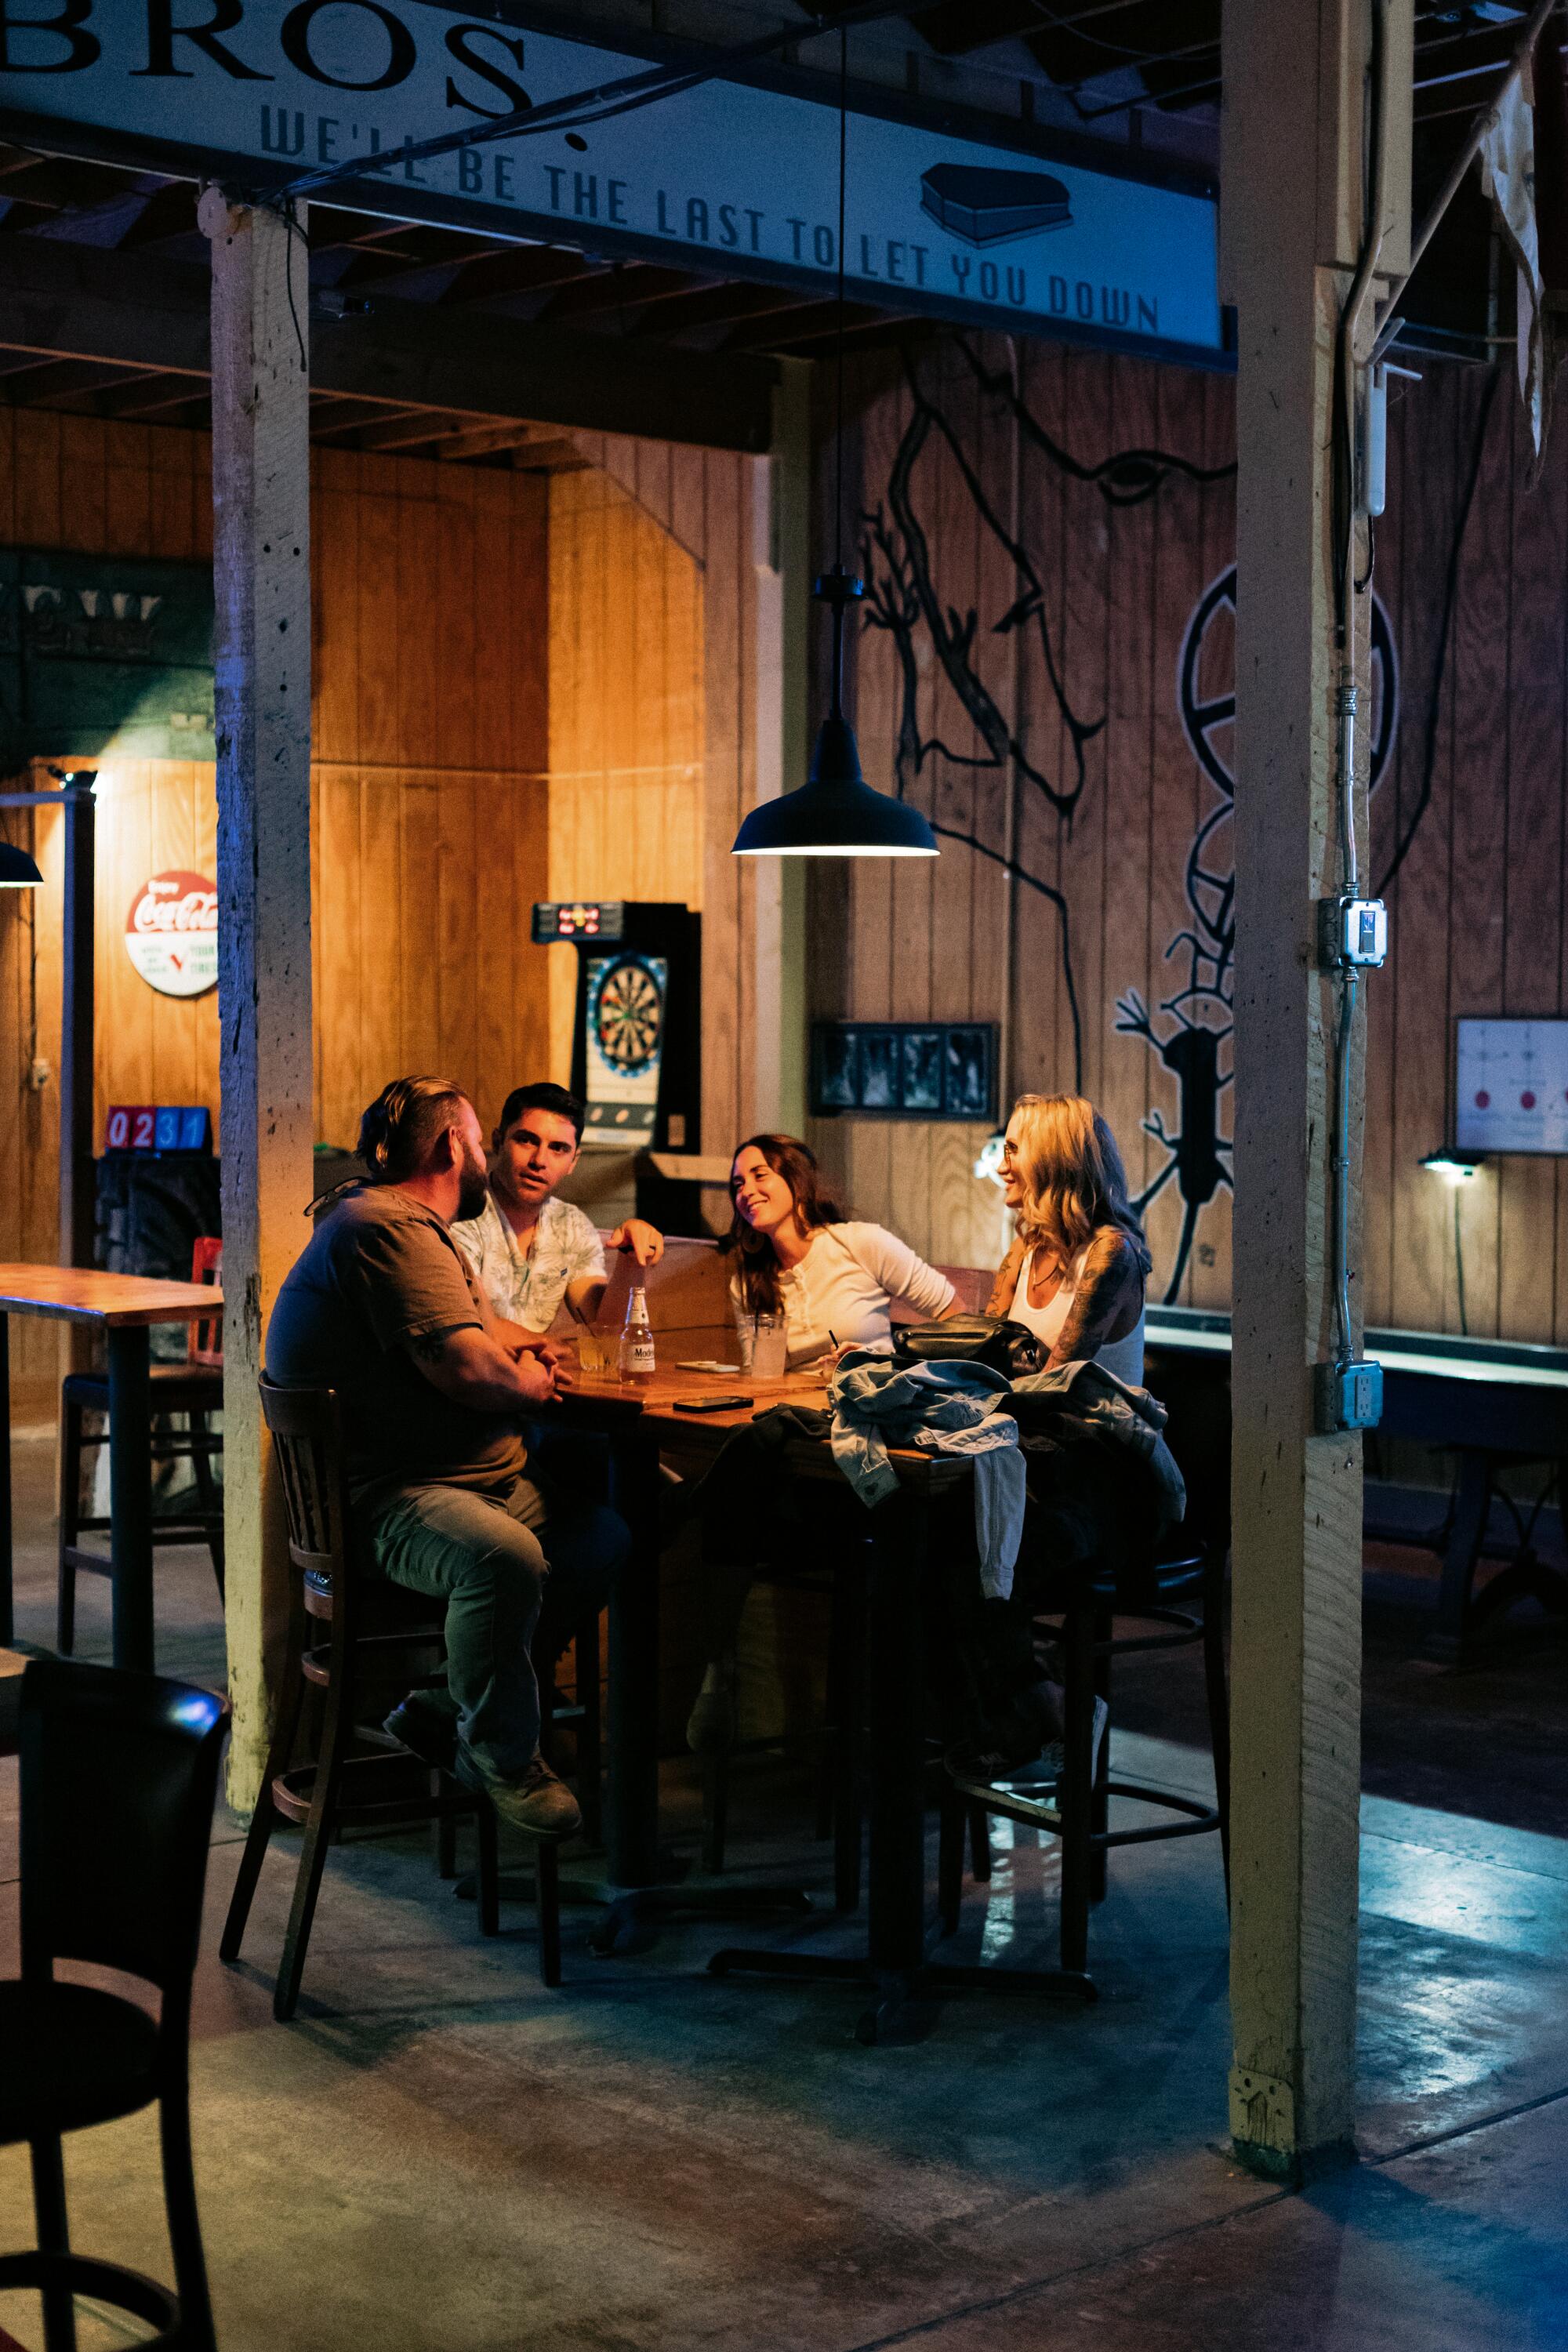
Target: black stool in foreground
(367,1625)
(1183,1598)
(119,1773)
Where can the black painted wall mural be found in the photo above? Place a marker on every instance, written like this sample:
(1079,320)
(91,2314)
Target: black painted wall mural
(1044,751)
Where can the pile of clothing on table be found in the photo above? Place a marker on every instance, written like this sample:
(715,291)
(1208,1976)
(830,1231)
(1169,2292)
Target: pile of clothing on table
(1073,1478)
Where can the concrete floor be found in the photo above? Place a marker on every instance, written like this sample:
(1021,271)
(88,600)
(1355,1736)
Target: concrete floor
(440,2154)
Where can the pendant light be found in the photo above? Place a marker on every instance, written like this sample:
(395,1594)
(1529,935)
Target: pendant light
(17,871)
(835,813)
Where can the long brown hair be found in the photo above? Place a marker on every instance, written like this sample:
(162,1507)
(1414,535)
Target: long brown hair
(1073,1177)
(758,1269)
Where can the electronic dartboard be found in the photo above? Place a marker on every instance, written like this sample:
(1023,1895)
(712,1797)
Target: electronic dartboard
(636,1053)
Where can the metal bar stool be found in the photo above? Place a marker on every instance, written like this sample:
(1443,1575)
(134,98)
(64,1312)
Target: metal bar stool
(1183,1596)
(367,1623)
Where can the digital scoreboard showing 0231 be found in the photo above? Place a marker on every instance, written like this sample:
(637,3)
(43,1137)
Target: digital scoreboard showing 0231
(1510,1087)
(625,1045)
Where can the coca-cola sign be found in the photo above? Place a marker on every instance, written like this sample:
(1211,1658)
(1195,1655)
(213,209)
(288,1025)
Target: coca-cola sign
(171,933)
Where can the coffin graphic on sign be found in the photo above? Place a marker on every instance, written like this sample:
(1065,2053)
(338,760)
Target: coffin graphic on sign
(988,207)
(171,933)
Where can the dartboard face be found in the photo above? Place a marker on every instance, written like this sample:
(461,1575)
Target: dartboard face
(628,1015)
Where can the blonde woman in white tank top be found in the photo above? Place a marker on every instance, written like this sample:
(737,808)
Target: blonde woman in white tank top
(1075,1275)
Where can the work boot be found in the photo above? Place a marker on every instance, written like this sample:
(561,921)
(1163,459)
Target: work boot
(536,1802)
(710,1726)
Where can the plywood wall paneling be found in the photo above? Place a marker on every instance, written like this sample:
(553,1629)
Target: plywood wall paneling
(171,459)
(128,489)
(449,573)
(1208,1266)
(386,952)
(528,650)
(401,671)
(495,651)
(424,989)
(334,610)
(84,474)
(458,964)
(40,520)
(335,947)
(1478,808)
(419,581)
(377,636)
(1131,691)
(1430,462)
(1533,870)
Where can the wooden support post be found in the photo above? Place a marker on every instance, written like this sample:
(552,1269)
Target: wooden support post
(261,565)
(781,524)
(1294,209)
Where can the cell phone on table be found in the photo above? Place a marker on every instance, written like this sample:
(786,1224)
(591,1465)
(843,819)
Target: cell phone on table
(710,1403)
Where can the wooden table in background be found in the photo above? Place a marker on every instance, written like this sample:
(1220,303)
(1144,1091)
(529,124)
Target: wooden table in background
(124,1307)
(639,1420)
(12,1665)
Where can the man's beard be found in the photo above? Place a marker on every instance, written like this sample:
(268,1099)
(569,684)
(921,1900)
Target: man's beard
(474,1190)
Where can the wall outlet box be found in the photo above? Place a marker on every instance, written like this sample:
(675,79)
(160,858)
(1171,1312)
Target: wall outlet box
(1352,933)
(1347,1396)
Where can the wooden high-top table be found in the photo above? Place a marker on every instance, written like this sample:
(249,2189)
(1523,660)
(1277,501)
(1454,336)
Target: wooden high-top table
(639,1420)
(124,1307)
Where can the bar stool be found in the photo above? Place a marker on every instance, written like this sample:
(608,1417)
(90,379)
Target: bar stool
(193,1390)
(367,1622)
(1182,1595)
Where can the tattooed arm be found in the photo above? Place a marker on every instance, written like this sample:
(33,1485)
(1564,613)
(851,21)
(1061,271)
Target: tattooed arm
(1108,1301)
(472,1367)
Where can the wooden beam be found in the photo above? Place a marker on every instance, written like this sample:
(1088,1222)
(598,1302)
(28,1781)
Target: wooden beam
(780,556)
(1294,82)
(66,301)
(261,575)
(486,440)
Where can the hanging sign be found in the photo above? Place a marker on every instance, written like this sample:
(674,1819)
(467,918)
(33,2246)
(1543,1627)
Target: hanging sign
(733,177)
(171,933)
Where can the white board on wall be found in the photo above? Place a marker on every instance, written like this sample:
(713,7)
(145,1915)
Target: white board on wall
(1510,1085)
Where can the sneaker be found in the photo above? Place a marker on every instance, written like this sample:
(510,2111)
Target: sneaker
(537,1802)
(425,1727)
(711,1727)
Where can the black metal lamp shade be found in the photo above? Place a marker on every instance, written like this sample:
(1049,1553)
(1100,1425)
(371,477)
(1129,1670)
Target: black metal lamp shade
(17,871)
(835,813)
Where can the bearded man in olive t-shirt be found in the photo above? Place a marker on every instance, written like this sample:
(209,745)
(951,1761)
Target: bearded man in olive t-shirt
(384,1309)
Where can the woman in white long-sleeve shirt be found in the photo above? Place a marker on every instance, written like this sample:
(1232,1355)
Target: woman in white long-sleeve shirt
(834,1280)
(836,1283)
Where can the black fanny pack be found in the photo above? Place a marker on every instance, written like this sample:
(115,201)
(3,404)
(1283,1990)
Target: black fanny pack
(1008,1347)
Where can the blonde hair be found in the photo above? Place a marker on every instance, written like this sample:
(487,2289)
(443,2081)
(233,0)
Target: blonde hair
(1071,1176)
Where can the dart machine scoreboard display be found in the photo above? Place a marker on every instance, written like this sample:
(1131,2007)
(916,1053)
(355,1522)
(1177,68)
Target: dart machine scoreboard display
(637,1045)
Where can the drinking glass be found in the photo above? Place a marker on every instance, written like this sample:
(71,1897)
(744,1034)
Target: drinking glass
(598,1351)
(770,1348)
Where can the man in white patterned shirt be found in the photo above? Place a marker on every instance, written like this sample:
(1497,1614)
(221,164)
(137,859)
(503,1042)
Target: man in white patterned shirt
(528,1249)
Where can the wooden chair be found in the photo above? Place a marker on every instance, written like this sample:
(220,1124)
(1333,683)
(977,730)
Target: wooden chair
(119,1772)
(368,1624)
(1181,1596)
(191,1391)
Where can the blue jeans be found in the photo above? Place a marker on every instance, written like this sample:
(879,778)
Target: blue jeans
(518,1570)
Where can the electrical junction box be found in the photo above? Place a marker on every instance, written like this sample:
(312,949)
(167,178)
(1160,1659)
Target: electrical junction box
(1348,1396)
(1352,933)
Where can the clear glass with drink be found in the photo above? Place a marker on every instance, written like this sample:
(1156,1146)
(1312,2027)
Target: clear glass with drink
(770,1348)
